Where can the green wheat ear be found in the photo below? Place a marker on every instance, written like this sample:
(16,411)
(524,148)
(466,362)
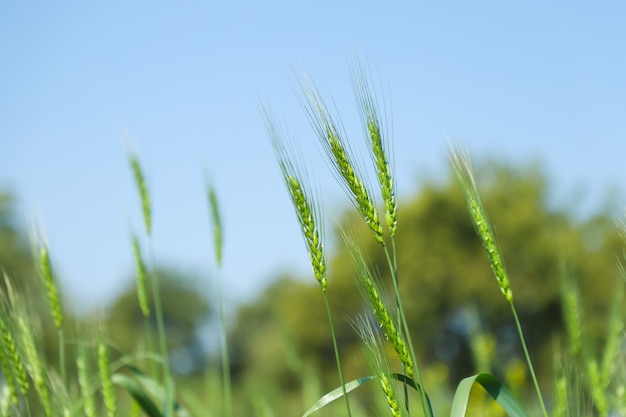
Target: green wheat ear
(378,146)
(34,365)
(374,348)
(463,171)
(140,182)
(341,159)
(104,367)
(381,312)
(83,382)
(16,371)
(306,210)
(217,226)
(49,281)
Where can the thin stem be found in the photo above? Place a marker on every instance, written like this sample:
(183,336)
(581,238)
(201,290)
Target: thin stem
(339,369)
(228,397)
(62,355)
(158,309)
(404,327)
(530,364)
(149,342)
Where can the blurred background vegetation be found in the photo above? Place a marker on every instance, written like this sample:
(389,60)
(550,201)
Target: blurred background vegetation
(281,352)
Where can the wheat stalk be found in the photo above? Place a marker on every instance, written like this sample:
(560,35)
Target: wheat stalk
(142,278)
(34,365)
(462,169)
(308,217)
(104,367)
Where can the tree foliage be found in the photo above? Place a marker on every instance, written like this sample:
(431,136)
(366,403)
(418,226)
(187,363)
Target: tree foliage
(444,275)
(186,309)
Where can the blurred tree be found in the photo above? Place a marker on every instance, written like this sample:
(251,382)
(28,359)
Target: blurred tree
(444,273)
(185,310)
(15,251)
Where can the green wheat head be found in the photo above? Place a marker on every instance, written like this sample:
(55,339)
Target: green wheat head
(142,187)
(218,237)
(342,161)
(52,292)
(307,211)
(378,146)
(463,171)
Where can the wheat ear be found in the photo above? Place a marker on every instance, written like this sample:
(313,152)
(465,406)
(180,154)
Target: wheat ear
(83,383)
(306,210)
(104,367)
(463,170)
(34,365)
(378,146)
(345,169)
(308,217)
(15,364)
(373,351)
(10,380)
(383,317)
(144,195)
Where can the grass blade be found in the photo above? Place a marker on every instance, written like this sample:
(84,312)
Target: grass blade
(494,388)
(138,393)
(338,392)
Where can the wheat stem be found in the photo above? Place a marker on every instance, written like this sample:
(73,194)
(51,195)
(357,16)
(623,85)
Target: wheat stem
(308,218)
(225,354)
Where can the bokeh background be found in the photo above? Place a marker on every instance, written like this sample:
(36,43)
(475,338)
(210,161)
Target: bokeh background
(184,85)
(537,86)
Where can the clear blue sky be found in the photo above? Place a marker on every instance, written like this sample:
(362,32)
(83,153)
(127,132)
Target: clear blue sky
(184,82)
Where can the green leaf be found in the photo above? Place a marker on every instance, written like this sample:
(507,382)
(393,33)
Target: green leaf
(138,393)
(337,393)
(494,388)
(352,385)
(147,389)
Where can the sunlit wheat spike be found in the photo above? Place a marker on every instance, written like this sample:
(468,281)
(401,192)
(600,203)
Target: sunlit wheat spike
(374,352)
(463,172)
(10,344)
(143,191)
(306,210)
(379,307)
(377,144)
(142,278)
(83,383)
(34,365)
(570,301)
(390,396)
(345,169)
(49,281)
(386,322)
(217,225)
(104,367)
(10,381)
(15,373)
